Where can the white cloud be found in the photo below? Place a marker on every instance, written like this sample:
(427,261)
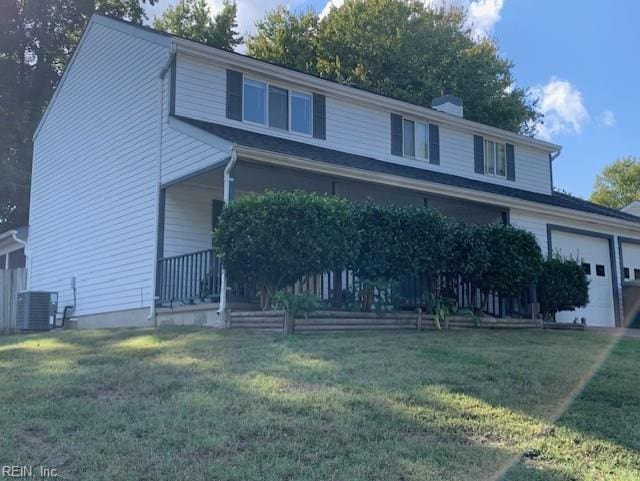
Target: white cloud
(606,119)
(483,16)
(327,8)
(562,106)
(250,11)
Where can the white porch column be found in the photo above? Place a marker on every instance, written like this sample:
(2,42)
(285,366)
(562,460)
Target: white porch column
(228,197)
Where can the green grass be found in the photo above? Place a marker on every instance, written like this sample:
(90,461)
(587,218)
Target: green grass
(197,404)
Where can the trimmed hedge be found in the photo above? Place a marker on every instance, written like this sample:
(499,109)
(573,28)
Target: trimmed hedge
(398,241)
(515,260)
(276,238)
(563,286)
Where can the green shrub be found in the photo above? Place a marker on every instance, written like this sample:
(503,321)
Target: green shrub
(296,304)
(515,260)
(276,238)
(441,307)
(467,255)
(398,241)
(563,286)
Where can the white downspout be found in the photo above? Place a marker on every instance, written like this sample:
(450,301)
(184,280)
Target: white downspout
(158,180)
(227,198)
(14,236)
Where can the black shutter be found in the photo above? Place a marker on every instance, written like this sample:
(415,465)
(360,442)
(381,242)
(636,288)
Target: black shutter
(478,154)
(434,144)
(396,134)
(234,95)
(319,116)
(511,163)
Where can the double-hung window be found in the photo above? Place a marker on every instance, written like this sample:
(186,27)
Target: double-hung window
(277,107)
(495,158)
(415,139)
(301,105)
(255,101)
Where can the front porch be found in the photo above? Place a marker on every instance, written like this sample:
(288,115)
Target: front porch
(189,273)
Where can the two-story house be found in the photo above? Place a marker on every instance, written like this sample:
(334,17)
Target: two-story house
(149,134)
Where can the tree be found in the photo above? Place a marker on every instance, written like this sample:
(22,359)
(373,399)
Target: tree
(192,19)
(401,49)
(287,39)
(36,42)
(274,239)
(563,286)
(618,184)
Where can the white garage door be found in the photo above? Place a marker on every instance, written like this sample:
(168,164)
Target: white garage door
(594,253)
(631,261)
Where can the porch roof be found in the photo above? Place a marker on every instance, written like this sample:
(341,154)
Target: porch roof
(280,145)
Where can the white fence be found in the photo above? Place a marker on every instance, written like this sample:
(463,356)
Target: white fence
(12,281)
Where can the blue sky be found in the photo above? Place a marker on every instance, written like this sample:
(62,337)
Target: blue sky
(582,58)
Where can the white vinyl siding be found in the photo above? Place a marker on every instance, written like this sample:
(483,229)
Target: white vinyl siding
(188,218)
(352,127)
(93,187)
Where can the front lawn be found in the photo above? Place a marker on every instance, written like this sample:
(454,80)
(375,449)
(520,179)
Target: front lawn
(172,404)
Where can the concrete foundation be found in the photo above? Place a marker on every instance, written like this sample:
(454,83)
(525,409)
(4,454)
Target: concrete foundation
(205,315)
(114,319)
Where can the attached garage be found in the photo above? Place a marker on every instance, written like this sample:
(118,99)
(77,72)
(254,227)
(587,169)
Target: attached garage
(629,254)
(595,251)
(630,258)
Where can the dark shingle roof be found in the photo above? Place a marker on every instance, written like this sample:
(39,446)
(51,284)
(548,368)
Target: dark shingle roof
(279,145)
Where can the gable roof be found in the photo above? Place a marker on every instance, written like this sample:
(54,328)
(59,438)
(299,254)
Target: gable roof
(350,91)
(247,138)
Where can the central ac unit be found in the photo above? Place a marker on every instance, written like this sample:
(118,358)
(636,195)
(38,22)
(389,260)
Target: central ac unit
(36,310)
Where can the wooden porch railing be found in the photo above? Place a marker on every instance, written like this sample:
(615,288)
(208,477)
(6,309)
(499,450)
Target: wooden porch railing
(196,277)
(409,293)
(189,278)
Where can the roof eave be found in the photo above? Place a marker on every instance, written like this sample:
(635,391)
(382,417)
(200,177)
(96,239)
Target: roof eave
(434,187)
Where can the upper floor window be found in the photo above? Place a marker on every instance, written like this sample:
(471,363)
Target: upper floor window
(301,119)
(415,139)
(255,101)
(277,107)
(495,158)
